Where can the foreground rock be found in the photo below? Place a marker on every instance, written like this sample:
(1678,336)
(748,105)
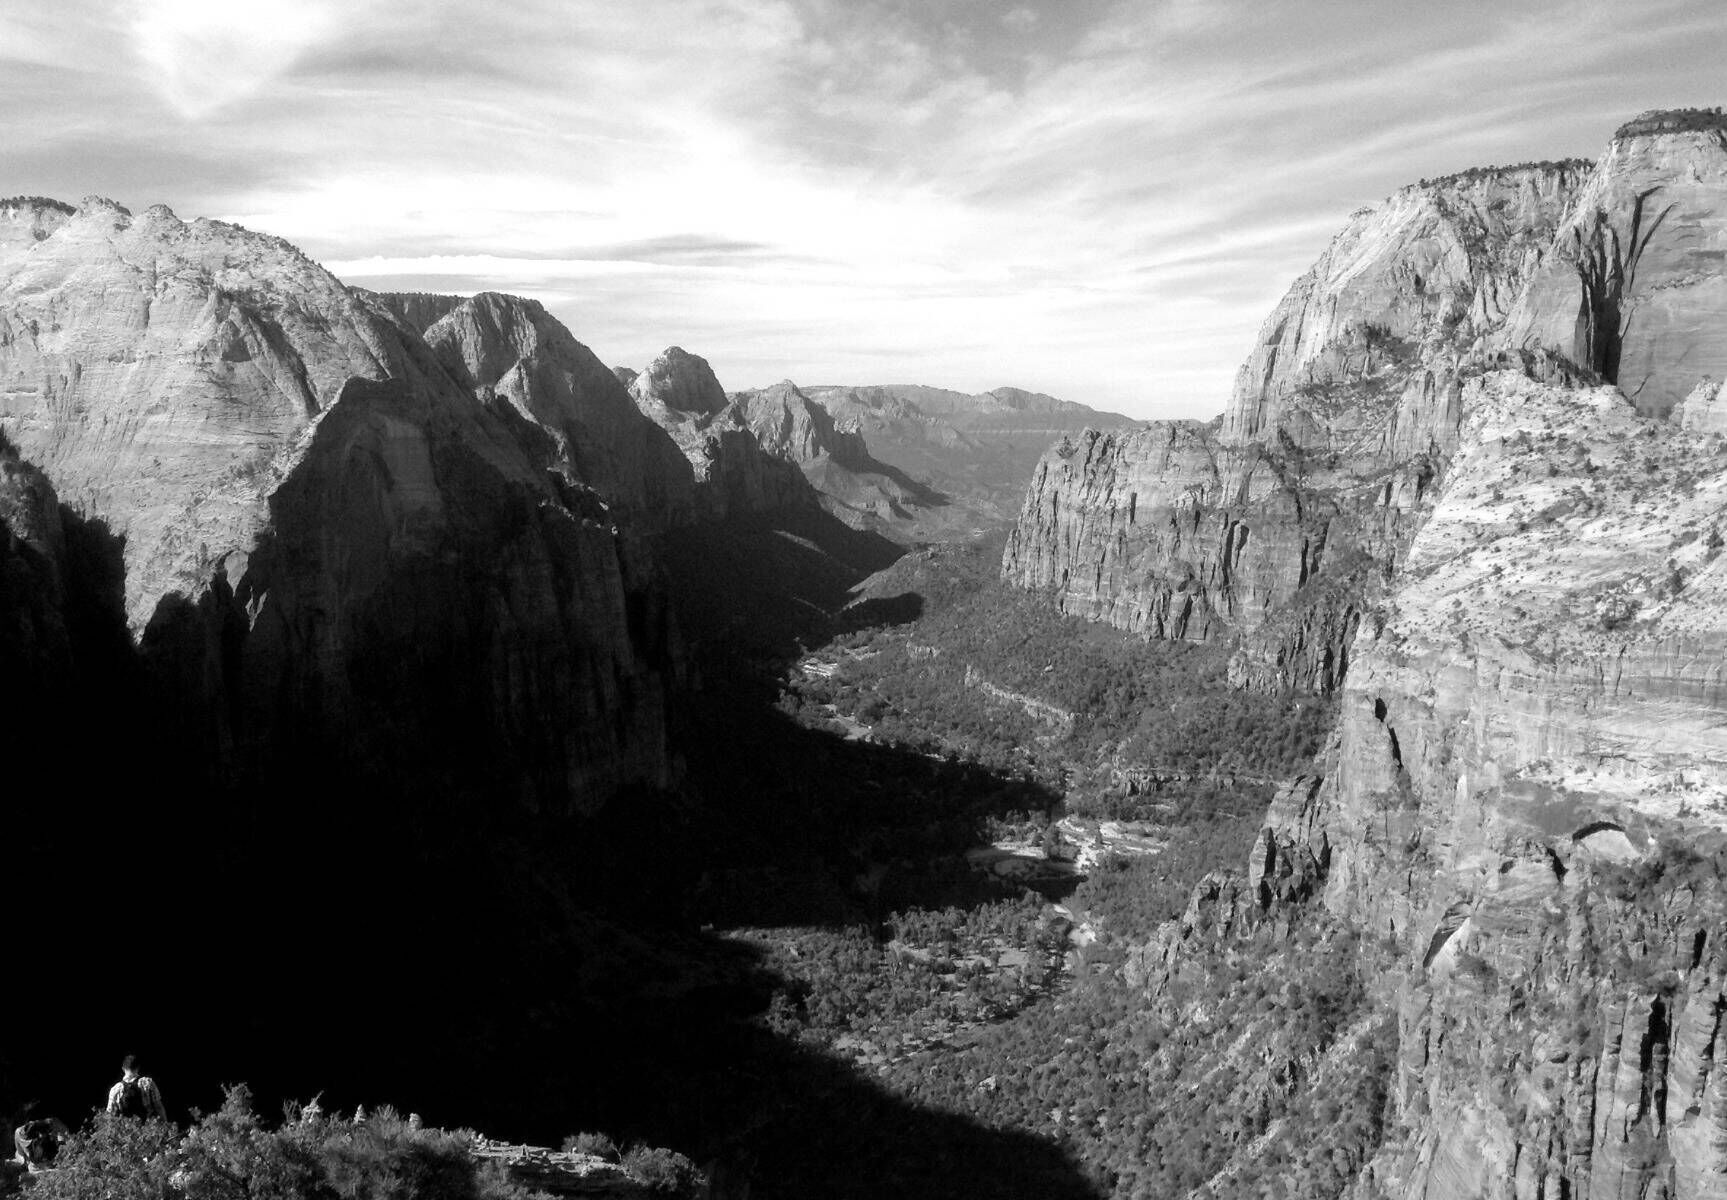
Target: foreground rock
(569,1173)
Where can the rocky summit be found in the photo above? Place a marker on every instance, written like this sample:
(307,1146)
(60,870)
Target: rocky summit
(737,470)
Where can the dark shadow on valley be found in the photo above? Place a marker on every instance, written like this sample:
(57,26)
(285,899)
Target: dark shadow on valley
(330,926)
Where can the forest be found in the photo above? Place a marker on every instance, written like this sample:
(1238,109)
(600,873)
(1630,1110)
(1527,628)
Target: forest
(1152,1046)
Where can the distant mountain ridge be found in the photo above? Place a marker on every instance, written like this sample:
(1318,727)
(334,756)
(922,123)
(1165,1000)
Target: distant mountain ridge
(975,450)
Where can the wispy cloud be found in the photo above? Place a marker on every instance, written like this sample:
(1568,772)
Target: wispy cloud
(1096,198)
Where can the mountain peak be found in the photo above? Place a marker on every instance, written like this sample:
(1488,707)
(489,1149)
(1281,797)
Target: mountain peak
(680,382)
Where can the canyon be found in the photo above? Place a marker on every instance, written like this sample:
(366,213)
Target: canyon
(423,570)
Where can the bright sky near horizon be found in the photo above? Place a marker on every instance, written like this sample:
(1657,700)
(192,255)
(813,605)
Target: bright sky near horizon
(1096,199)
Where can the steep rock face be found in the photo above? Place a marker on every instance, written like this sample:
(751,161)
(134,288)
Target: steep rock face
(1281,520)
(678,382)
(788,423)
(1527,794)
(419,311)
(330,548)
(735,473)
(1635,287)
(157,371)
(579,417)
(35,642)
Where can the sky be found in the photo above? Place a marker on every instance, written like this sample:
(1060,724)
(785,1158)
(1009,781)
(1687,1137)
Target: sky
(1097,199)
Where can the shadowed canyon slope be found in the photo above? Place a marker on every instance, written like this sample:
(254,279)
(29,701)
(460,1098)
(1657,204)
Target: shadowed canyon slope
(318,526)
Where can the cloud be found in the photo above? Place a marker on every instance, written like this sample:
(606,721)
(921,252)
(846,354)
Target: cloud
(1096,198)
(206,54)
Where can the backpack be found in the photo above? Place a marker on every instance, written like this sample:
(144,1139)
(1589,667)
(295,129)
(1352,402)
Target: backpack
(132,1102)
(40,1143)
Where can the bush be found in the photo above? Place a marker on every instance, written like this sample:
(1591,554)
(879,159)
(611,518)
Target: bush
(114,1157)
(596,1144)
(230,1155)
(662,1170)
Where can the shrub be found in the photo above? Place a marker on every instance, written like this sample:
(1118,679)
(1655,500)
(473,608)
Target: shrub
(662,1170)
(114,1157)
(230,1155)
(596,1144)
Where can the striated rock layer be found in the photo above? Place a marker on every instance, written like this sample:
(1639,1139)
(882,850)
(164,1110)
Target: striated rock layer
(1527,795)
(331,550)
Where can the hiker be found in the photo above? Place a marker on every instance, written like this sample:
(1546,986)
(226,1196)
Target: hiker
(136,1094)
(38,1141)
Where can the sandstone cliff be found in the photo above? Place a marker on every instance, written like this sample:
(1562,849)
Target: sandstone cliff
(736,473)
(1527,795)
(1279,523)
(1634,288)
(330,547)
(1280,519)
(573,414)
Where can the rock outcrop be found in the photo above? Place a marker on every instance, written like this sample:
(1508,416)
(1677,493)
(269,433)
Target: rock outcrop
(788,423)
(1279,520)
(1635,286)
(1280,523)
(678,382)
(331,548)
(572,412)
(1527,794)
(735,472)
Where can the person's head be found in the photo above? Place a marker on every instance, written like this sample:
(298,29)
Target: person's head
(129,1066)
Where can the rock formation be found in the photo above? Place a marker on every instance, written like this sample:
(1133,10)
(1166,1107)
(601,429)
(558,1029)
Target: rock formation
(322,529)
(788,423)
(681,383)
(574,414)
(1524,804)
(1278,520)
(972,453)
(1527,793)
(1634,288)
(735,472)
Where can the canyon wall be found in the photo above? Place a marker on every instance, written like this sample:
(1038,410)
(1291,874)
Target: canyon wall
(1280,522)
(332,551)
(1526,799)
